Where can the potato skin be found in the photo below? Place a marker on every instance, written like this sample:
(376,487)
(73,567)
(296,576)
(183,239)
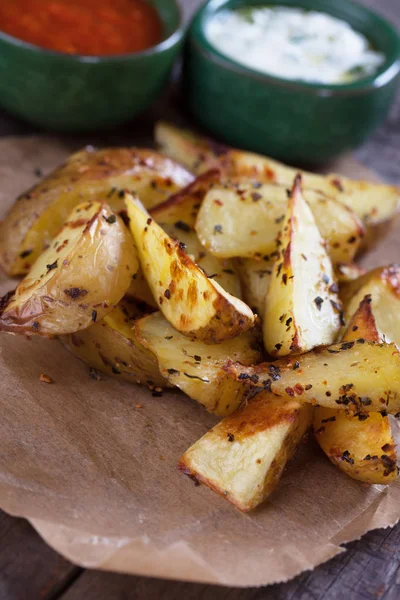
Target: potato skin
(78,279)
(112,347)
(39,213)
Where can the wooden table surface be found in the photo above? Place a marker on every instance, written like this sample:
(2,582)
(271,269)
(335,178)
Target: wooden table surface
(370,569)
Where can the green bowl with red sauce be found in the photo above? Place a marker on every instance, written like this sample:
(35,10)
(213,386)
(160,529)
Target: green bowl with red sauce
(67,92)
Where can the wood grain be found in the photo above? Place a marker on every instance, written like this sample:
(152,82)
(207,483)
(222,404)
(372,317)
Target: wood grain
(369,570)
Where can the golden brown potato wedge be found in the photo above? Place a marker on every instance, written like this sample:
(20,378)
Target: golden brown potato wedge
(361,446)
(364,449)
(375,204)
(243,457)
(255,276)
(194,304)
(244,219)
(195,367)
(78,279)
(301,309)
(356,376)
(112,347)
(39,213)
(177,217)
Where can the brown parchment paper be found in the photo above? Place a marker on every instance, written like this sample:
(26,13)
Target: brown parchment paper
(97,476)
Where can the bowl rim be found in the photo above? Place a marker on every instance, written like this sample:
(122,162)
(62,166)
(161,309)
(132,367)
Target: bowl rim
(387,72)
(165,44)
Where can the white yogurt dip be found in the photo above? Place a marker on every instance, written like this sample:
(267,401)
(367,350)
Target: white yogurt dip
(292,43)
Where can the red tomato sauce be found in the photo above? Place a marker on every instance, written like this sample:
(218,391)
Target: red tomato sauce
(85,27)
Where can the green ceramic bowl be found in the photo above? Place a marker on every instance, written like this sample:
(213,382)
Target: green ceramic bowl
(79,93)
(293,121)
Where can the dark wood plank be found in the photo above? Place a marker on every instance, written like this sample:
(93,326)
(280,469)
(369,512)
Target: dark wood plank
(29,569)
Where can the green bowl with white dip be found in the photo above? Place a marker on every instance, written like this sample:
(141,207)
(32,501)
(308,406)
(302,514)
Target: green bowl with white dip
(298,85)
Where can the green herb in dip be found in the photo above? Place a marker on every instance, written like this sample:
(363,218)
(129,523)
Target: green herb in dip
(292,43)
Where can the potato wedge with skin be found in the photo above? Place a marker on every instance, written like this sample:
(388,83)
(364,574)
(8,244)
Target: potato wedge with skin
(243,457)
(238,219)
(383,286)
(359,377)
(194,304)
(375,204)
(112,347)
(40,212)
(301,308)
(195,367)
(78,279)
(362,446)
(177,217)
(255,276)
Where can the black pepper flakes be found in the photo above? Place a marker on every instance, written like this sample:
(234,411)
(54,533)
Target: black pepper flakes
(325,278)
(111,219)
(296,365)
(347,458)
(334,288)
(94,316)
(183,226)
(256,196)
(217,228)
(52,266)
(167,294)
(231,437)
(318,301)
(243,376)
(173,372)
(26,253)
(75,293)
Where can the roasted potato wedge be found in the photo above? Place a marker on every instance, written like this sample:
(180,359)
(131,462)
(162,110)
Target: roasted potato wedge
(361,446)
(255,276)
(365,449)
(112,347)
(383,286)
(301,309)
(356,376)
(194,304)
(238,219)
(82,275)
(195,367)
(243,457)
(374,203)
(39,213)
(177,217)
